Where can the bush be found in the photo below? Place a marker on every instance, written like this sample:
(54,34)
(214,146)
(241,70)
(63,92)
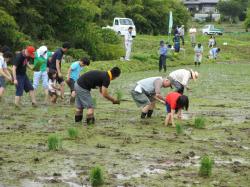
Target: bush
(73,133)
(109,36)
(96,176)
(54,142)
(206,166)
(77,54)
(199,122)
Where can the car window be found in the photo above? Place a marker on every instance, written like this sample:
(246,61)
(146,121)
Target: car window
(126,22)
(116,22)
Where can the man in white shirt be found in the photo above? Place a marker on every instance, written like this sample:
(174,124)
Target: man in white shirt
(179,79)
(128,39)
(182,33)
(192,32)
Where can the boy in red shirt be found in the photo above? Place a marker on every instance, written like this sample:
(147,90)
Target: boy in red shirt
(175,102)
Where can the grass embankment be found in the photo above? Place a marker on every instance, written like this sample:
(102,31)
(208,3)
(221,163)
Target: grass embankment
(145,52)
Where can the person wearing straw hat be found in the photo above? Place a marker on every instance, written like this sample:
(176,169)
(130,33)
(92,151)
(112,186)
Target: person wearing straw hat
(180,78)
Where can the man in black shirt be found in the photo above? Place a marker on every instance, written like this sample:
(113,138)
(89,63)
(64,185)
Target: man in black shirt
(83,86)
(55,64)
(20,77)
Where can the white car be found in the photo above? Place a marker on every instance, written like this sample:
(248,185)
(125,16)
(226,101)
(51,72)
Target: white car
(121,25)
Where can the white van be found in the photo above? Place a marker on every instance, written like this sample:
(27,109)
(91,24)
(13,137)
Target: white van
(121,25)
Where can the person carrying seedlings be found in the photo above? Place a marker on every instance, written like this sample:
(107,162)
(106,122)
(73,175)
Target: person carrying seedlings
(56,63)
(53,87)
(74,73)
(175,102)
(198,50)
(83,86)
(213,53)
(180,78)
(42,55)
(20,77)
(163,56)
(5,57)
(128,39)
(146,92)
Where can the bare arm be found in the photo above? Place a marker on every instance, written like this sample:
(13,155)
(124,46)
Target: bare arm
(172,117)
(14,74)
(4,72)
(58,68)
(69,72)
(104,92)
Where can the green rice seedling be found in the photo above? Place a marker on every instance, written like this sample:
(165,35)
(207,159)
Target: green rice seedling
(119,95)
(206,166)
(73,133)
(96,176)
(54,142)
(199,122)
(178,128)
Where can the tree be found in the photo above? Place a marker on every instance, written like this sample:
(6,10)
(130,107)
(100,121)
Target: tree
(247,20)
(231,9)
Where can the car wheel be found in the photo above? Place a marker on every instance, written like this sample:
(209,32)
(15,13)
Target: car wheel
(119,33)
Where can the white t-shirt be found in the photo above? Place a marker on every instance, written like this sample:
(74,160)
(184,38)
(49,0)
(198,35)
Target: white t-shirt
(192,30)
(128,37)
(3,64)
(51,84)
(181,75)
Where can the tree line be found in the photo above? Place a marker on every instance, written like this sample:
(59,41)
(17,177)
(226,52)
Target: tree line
(25,22)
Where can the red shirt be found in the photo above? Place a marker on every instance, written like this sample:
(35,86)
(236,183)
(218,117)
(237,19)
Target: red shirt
(172,98)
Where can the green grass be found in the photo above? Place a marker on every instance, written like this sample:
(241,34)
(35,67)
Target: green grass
(54,142)
(119,95)
(73,133)
(206,166)
(96,176)
(199,122)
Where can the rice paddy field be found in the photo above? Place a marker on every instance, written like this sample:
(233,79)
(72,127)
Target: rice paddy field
(131,151)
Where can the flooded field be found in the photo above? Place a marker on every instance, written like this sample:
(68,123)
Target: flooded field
(133,152)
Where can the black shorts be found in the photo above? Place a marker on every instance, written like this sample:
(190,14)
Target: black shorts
(23,84)
(71,84)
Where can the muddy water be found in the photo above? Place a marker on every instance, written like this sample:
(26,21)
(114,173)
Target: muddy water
(134,152)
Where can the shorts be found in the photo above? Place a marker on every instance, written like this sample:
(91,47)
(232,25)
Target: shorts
(83,98)
(40,75)
(168,109)
(23,84)
(71,84)
(141,99)
(197,58)
(2,82)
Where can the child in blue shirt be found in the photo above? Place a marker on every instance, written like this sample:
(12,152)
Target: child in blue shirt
(73,75)
(163,56)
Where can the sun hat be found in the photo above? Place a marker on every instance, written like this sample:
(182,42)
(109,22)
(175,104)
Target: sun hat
(31,50)
(195,74)
(41,51)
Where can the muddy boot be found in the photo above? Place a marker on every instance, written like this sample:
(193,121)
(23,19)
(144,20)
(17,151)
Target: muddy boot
(143,115)
(90,121)
(149,114)
(78,118)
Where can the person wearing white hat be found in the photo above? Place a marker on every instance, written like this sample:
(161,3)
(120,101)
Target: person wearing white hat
(180,78)
(40,66)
